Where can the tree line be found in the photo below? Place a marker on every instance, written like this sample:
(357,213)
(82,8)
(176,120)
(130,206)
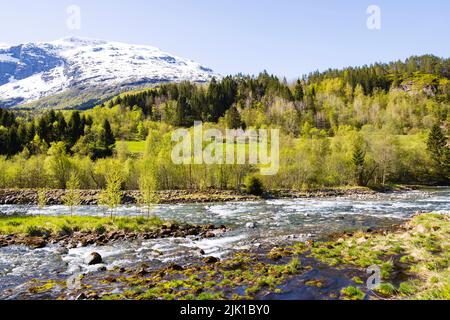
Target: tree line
(36,135)
(339,127)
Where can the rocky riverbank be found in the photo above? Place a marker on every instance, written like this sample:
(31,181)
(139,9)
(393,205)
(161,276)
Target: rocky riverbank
(86,238)
(91,197)
(412,258)
(73,232)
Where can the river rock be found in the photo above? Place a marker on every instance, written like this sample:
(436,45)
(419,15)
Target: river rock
(210,234)
(62,251)
(93,259)
(250,225)
(168,226)
(361,240)
(210,260)
(81,296)
(142,271)
(275,254)
(420,229)
(100,268)
(35,242)
(175,267)
(156,252)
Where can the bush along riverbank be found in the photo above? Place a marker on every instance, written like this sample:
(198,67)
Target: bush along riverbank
(413,259)
(38,231)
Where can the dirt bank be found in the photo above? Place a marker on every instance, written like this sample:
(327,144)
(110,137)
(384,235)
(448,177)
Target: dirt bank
(90,197)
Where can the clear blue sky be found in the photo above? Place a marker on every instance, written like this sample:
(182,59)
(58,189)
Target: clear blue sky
(285,37)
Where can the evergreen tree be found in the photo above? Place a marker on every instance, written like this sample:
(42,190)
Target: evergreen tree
(31,131)
(437,146)
(4,140)
(358,160)
(233,118)
(298,91)
(42,130)
(60,127)
(106,141)
(14,145)
(75,128)
(108,136)
(23,134)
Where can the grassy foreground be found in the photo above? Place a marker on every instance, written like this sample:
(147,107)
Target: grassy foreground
(414,260)
(44,225)
(414,263)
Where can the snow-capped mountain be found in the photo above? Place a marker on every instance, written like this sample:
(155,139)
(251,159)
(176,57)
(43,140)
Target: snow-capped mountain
(34,71)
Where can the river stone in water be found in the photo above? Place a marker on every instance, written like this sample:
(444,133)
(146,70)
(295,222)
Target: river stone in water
(93,259)
(211,260)
(250,225)
(36,243)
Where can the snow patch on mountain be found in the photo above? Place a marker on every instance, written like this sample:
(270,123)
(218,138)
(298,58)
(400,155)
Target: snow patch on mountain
(8,58)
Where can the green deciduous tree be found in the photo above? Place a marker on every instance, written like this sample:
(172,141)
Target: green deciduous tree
(111,195)
(148,186)
(42,197)
(72,197)
(58,164)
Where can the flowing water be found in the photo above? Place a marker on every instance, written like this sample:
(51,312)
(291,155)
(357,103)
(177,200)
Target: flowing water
(252,224)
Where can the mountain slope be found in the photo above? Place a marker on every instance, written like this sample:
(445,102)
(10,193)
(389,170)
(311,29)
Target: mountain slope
(71,68)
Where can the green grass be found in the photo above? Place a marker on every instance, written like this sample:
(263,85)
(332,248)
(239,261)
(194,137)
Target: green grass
(223,280)
(352,293)
(423,246)
(135,146)
(42,225)
(386,289)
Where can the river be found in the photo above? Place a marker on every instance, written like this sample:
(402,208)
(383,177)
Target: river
(251,225)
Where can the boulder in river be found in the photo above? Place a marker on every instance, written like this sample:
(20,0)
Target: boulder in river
(250,225)
(175,267)
(35,242)
(81,296)
(62,251)
(211,260)
(275,254)
(210,234)
(93,259)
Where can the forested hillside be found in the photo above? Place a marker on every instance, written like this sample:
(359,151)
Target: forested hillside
(370,125)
